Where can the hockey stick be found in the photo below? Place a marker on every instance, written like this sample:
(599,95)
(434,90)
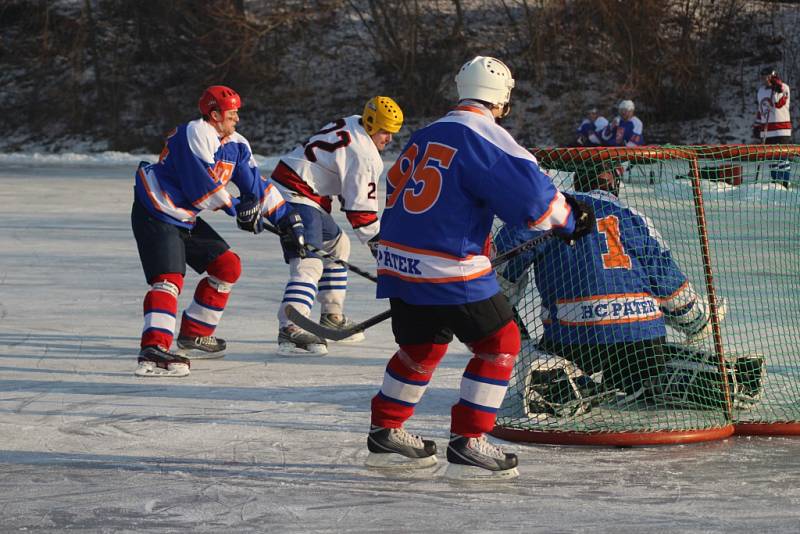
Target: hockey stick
(328,256)
(317,329)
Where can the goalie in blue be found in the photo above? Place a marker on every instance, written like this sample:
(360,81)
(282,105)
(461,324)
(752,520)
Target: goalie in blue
(607,300)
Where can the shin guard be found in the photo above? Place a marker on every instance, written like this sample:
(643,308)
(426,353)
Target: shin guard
(407,375)
(160,309)
(485,381)
(205,312)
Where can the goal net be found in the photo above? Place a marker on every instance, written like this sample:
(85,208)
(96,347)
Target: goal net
(729,217)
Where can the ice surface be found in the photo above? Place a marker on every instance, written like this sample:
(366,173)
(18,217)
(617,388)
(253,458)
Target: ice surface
(261,443)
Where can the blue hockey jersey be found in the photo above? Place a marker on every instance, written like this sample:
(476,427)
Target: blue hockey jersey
(621,132)
(191,174)
(612,286)
(442,194)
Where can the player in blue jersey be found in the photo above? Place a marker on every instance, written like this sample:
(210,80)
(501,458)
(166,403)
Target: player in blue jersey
(590,130)
(198,160)
(606,302)
(625,129)
(443,193)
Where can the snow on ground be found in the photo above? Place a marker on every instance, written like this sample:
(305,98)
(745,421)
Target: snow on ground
(262,443)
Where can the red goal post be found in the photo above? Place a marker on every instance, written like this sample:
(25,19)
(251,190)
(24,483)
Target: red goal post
(730,216)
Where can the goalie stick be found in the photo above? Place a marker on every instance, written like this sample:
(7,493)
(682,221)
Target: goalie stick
(317,329)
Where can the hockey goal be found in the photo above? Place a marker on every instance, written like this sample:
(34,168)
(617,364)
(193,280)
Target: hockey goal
(730,216)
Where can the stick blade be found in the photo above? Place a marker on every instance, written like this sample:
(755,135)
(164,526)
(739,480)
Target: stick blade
(317,329)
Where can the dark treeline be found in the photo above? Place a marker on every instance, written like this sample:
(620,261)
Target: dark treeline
(128,70)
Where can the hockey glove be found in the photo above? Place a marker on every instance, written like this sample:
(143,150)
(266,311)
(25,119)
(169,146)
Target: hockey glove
(372,244)
(293,233)
(775,84)
(585,221)
(248,214)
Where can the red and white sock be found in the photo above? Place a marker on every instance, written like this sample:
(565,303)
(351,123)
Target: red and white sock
(160,308)
(406,378)
(205,312)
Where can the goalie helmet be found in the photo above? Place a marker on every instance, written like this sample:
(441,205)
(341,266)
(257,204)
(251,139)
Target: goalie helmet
(382,113)
(598,176)
(486,79)
(220,98)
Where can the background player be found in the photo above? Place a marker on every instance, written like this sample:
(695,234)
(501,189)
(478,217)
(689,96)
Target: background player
(452,177)
(773,124)
(198,160)
(589,131)
(626,129)
(342,159)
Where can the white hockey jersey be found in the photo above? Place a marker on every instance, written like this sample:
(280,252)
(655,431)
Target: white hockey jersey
(339,160)
(773,112)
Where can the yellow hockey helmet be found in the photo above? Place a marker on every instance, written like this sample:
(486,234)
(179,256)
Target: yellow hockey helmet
(382,113)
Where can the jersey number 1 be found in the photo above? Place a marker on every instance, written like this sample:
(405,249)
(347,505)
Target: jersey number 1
(615,258)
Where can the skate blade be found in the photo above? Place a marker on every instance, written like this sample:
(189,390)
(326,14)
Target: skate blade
(148,369)
(290,349)
(398,461)
(471,472)
(358,337)
(199,354)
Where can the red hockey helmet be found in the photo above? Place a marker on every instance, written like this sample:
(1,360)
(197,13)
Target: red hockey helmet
(220,98)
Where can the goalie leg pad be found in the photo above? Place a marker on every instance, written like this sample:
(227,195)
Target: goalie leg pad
(693,379)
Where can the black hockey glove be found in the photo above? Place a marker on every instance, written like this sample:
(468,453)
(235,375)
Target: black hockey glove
(293,233)
(585,221)
(248,214)
(372,244)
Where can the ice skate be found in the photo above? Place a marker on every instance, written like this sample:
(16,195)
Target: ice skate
(201,347)
(160,362)
(327,320)
(477,459)
(394,447)
(293,340)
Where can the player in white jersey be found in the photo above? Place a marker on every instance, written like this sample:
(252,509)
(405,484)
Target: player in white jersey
(773,125)
(342,159)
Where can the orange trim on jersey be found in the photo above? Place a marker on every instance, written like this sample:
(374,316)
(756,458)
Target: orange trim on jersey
(167,200)
(471,109)
(684,285)
(612,321)
(208,195)
(425,252)
(550,208)
(445,280)
(603,297)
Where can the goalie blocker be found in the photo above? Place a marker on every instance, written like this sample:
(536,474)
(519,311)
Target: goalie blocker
(554,387)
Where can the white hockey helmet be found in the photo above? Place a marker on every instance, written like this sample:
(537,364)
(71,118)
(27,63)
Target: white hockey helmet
(626,105)
(486,79)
